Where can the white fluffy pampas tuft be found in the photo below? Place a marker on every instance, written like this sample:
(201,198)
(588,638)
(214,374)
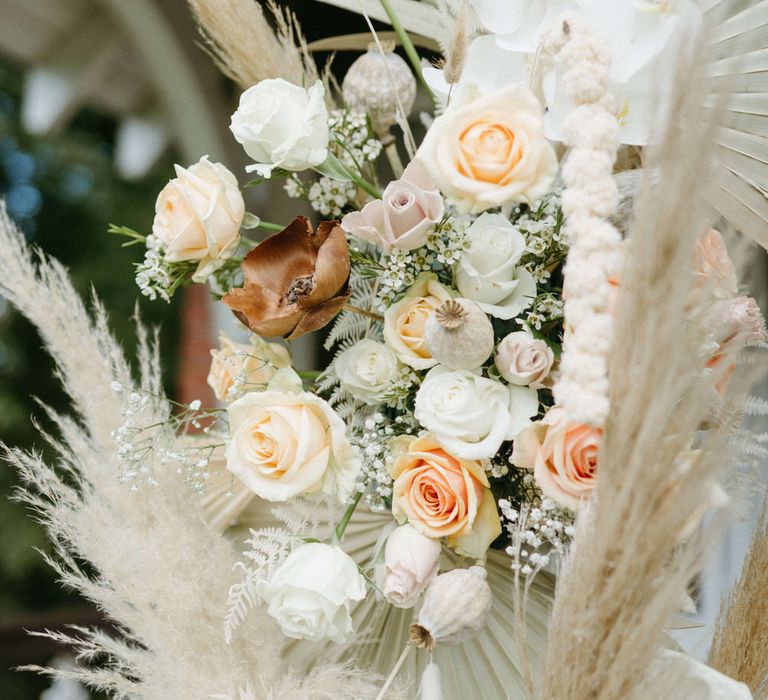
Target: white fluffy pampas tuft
(154,567)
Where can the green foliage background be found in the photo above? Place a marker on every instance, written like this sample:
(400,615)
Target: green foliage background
(63,192)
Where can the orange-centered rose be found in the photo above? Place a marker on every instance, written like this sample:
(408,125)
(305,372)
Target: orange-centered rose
(443,496)
(562,455)
(490,151)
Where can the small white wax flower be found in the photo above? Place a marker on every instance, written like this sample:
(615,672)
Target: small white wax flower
(411,562)
(281,125)
(310,594)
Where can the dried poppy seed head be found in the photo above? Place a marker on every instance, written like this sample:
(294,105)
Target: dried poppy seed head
(450,314)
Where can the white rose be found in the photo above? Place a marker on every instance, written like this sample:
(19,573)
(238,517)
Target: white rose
(286,442)
(310,593)
(240,367)
(198,216)
(488,272)
(367,370)
(281,125)
(524,360)
(404,321)
(471,415)
(410,564)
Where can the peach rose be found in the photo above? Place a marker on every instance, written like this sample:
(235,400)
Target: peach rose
(713,266)
(563,457)
(198,216)
(240,367)
(405,215)
(286,442)
(404,321)
(443,496)
(490,151)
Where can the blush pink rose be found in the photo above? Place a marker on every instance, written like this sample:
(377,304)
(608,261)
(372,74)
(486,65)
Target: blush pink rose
(404,216)
(562,456)
(713,266)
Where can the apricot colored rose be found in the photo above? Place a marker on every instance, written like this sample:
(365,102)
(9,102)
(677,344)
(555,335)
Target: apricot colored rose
(562,455)
(443,496)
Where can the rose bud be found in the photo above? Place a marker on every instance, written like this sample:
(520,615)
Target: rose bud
(295,281)
(410,561)
(524,360)
(405,215)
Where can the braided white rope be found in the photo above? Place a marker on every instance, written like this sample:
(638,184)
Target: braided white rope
(589,198)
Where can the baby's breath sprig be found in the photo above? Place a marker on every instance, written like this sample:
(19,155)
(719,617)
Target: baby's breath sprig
(158,277)
(374,481)
(142,447)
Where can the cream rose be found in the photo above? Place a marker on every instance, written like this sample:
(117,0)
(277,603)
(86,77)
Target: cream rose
(410,564)
(562,456)
(281,125)
(524,360)
(367,370)
(198,216)
(404,321)
(311,592)
(488,272)
(286,442)
(441,495)
(490,151)
(405,215)
(470,414)
(237,368)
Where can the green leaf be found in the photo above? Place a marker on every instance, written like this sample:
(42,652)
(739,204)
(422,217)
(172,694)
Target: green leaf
(333,168)
(250,221)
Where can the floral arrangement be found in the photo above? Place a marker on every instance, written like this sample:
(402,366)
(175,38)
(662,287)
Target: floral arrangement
(469,301)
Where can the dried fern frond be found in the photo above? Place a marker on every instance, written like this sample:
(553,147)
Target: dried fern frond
(740,643)
(246,48)
(633,555)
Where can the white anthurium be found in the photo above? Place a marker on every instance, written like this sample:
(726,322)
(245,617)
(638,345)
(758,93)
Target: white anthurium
(643,35)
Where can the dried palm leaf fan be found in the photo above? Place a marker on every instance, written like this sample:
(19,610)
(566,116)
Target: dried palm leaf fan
(741,67)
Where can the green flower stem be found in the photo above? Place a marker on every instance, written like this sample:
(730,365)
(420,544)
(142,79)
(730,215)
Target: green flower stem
(342,526)
(267,226)
(363,184)
(408,47)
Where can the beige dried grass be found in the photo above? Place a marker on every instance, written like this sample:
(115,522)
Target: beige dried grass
(632,556)
(740,643)
(145,557)
(246,48)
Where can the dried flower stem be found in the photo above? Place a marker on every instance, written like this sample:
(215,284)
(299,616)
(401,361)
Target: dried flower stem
(363,312)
